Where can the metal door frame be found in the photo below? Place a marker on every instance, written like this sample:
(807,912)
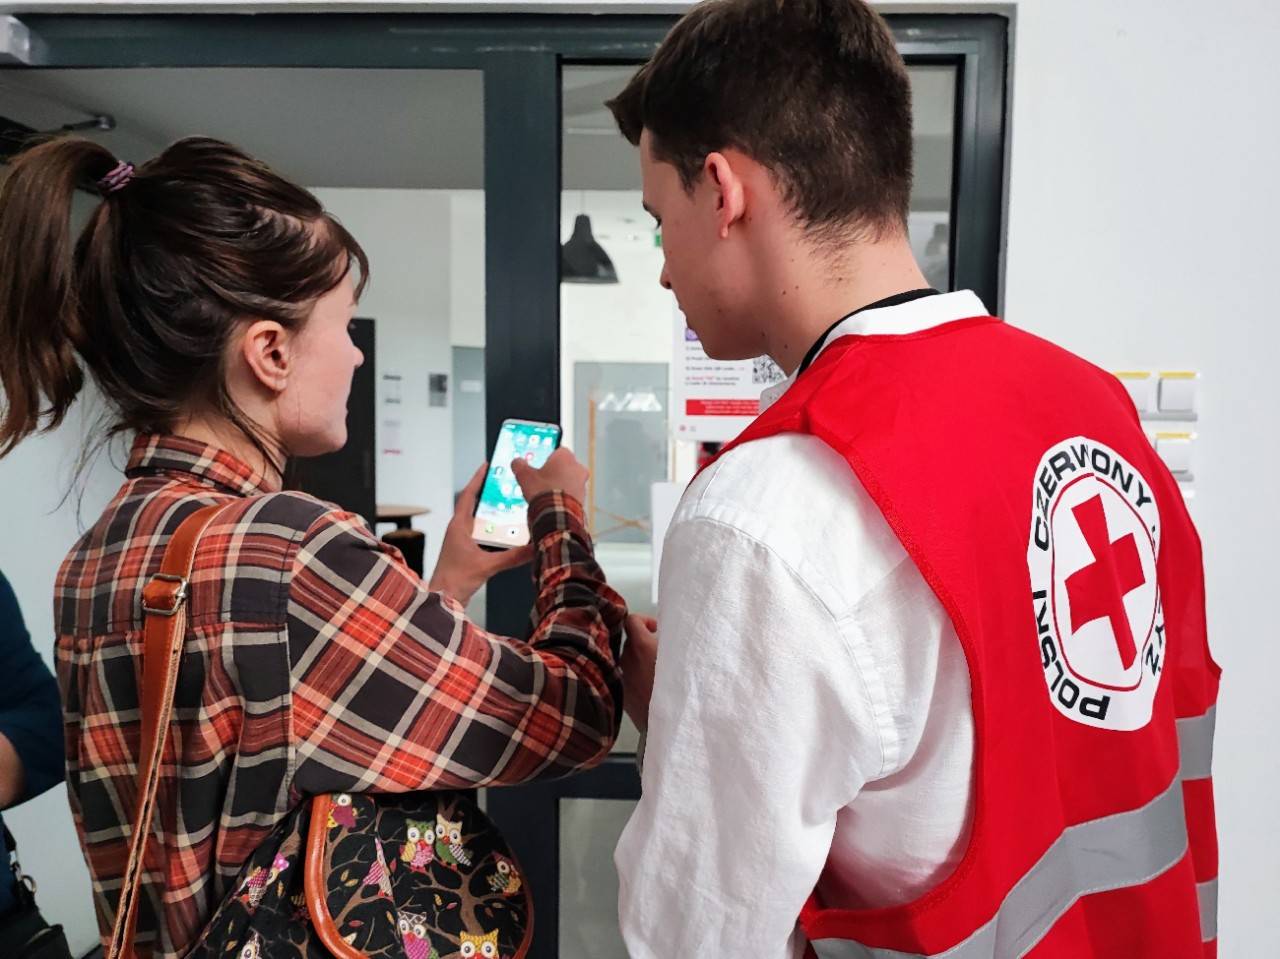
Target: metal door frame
(521,57)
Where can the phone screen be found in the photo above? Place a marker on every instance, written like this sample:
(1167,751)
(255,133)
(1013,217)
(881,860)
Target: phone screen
(502,515)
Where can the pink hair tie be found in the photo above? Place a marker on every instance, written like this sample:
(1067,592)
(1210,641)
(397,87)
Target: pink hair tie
(117,179)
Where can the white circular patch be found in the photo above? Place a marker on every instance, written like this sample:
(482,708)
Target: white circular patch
(1095,537)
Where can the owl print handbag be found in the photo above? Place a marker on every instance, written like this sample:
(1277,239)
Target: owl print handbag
(411,876)
(414,876)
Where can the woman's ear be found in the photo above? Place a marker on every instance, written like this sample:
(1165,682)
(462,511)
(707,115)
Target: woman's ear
(267,349)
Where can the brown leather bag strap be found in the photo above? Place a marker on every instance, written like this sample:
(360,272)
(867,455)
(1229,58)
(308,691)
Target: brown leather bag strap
(314,882)
(164,606)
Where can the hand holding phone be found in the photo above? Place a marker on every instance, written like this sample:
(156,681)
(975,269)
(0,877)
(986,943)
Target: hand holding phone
(464,565)
(502,513)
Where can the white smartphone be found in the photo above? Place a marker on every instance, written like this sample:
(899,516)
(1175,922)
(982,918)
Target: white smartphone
(502,515)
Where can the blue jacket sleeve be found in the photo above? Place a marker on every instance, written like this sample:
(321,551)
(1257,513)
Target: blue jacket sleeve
(30,712)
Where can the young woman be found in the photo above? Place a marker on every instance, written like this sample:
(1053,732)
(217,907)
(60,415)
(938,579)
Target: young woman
(210,299)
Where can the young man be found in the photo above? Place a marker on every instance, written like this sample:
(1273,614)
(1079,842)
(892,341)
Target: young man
(933,675)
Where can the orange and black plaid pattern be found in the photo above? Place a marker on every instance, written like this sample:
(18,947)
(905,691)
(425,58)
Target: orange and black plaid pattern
(316,661)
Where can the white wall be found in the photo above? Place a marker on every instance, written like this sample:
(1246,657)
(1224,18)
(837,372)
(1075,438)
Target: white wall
(466,268)
(407,236)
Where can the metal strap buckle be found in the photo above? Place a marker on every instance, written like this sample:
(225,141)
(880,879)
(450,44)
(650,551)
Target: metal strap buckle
(179,596)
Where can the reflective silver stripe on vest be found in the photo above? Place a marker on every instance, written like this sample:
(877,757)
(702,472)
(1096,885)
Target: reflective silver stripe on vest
(1114,852)
(1195,744)
(1208,893)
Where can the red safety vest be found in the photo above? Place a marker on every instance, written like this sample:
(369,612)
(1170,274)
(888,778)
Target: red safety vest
(1019,479)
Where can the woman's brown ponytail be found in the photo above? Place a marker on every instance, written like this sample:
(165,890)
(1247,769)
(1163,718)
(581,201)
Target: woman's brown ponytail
(39,326)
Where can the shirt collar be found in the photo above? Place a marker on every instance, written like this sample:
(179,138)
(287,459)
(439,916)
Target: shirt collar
(900,319)
(155,453)
(897,299)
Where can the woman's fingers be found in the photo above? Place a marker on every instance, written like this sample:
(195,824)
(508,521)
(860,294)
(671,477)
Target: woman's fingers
(466,504)
(511,559)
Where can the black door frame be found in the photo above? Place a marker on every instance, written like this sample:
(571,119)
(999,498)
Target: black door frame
(521,57)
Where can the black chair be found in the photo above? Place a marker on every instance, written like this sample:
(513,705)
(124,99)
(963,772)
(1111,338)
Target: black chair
(412,543)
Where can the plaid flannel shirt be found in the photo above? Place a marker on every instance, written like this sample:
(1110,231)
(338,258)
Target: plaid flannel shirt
(315,661)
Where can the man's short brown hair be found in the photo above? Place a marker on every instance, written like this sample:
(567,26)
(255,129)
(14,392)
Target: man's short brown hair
(814,90)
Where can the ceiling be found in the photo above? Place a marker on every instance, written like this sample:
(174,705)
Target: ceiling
(391,129)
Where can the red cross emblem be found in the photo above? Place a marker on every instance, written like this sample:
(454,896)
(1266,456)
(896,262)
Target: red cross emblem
(1097,591)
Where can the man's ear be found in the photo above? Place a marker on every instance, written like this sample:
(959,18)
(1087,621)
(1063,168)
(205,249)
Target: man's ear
(731,197)
(267,348)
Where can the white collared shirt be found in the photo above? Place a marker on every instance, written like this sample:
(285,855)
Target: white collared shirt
(810,724)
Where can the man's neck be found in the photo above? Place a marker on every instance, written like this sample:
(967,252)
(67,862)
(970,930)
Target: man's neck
(814,292)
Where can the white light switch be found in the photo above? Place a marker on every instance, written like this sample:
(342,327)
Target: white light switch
(1141,385)
(1179,392)
(1175,449)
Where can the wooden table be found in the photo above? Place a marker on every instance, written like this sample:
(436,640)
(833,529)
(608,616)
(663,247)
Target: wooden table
(400,514)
